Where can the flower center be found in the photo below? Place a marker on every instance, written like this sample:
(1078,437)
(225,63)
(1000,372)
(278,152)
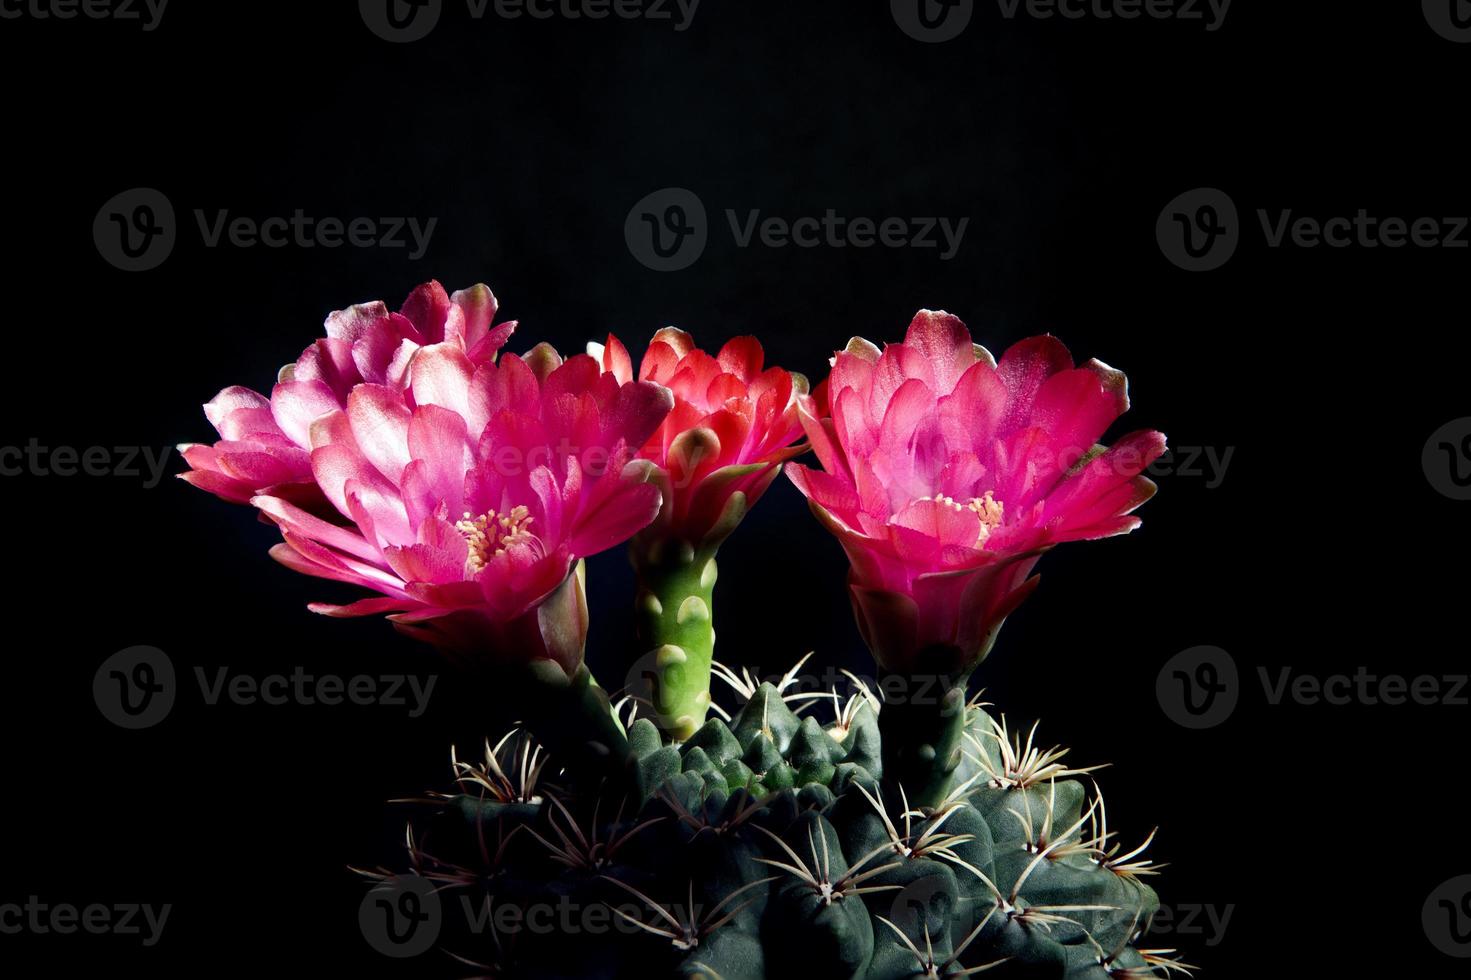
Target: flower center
(491,534)
(987,508)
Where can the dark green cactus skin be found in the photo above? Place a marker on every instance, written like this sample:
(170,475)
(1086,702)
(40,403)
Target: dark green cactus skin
(701,823)
(923,738)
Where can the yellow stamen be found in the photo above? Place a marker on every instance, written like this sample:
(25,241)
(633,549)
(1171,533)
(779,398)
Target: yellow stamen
(490,534)
(991,513)
(987,508)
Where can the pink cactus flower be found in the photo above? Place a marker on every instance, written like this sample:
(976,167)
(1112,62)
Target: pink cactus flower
(734,423)
(945,475)
(265,445)
(471,492)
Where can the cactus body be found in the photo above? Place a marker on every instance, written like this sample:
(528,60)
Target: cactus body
(771,846)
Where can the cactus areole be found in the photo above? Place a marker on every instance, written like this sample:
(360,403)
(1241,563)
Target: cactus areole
(896,829)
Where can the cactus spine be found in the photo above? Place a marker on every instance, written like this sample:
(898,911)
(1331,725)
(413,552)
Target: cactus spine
(772,832)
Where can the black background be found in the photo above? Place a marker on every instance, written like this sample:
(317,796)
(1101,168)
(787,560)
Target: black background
(1325,370)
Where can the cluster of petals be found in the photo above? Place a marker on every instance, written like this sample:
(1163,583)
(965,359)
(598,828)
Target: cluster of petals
(946,473)
(405,454)
(735,422)
(460,487)
(264,444)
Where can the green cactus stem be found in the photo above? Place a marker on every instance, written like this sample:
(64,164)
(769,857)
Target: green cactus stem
(553,694)
(766,847)
(570,716)
(675,632)
(922,726)
(573,718)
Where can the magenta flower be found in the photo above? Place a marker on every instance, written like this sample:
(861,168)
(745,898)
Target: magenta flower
(469,493)
(734,423)
(396,454)
(945,475)
(265,444)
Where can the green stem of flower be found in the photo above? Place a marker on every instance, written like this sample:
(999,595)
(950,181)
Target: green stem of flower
(922,726)
(675,633)
(573,719)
